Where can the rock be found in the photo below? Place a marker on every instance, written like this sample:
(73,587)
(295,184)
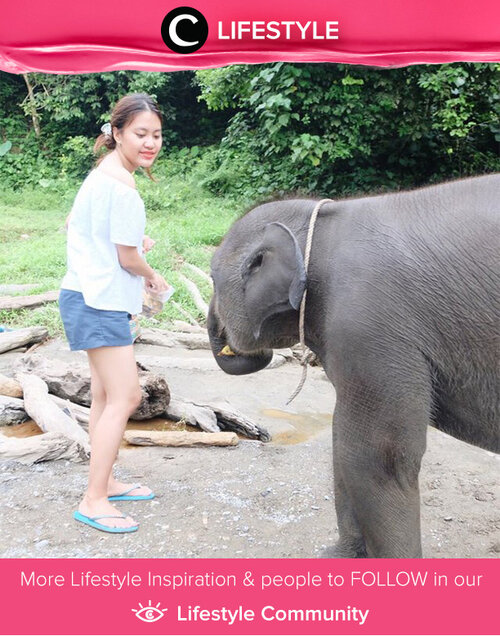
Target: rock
(483,495)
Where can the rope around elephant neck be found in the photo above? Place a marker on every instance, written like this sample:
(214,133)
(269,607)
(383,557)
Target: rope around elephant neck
(307,355)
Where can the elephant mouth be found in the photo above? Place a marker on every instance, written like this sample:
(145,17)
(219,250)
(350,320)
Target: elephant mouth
(247,345)
(230,358)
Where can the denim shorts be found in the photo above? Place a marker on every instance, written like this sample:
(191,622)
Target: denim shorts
(89,328)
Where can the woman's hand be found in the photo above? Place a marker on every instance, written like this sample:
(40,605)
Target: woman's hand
(156,284)
(147,244)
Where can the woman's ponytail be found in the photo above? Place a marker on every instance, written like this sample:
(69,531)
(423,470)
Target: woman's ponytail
(105,140)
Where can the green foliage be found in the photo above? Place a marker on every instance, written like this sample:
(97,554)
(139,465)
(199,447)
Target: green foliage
(12,121)
(227,87)
(27,164)
(71,109)
(340,129)
(323,128)
(76,157)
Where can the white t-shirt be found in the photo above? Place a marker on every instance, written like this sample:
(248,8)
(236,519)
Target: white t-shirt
(106,212)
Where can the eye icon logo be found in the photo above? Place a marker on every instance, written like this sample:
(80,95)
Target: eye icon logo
(150,614)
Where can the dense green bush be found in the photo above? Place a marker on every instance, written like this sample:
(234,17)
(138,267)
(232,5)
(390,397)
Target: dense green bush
(338,128)
(323,128)
(76,156)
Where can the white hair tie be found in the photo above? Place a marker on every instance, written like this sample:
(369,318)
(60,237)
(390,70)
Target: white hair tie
(106,129)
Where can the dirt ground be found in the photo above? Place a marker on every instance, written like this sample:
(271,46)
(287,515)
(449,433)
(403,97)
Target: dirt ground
(255,500)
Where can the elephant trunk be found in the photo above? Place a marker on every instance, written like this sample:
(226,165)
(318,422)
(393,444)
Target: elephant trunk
(229,361)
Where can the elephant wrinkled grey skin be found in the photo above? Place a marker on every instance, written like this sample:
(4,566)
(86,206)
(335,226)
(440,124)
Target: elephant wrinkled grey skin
(402,310)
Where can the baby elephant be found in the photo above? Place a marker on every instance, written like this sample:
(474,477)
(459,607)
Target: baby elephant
(402,309)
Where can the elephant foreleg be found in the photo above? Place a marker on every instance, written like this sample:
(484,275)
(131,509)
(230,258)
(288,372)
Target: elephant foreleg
(378,446)
(351,542)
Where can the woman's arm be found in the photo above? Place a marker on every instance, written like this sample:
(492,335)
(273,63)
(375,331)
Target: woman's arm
(130,259)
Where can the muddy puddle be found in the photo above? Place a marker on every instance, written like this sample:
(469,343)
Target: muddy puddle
(156,424)
(25,429)
(303,426)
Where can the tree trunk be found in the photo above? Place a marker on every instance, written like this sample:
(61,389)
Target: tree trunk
(31,98)
(79,413)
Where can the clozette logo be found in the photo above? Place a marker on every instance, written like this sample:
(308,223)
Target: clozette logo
(184,30)
(150,614)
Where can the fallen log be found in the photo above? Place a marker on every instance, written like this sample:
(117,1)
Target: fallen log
(11,411)
(78,412)
(41,448)
(195,294)
(179,410)
(186,327)
(10,387)
(185,313)
(189,362)
(192,340)
(67,381)
(218,414)
(155,396)
(72,382)
(200,273)
(15,289)
(182,411)
(21,337)
(229,419)
(48,416)
(162,338)
(23,302)
(179,438)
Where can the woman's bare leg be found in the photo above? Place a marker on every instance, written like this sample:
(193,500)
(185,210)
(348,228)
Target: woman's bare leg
(96,408)
(115,376)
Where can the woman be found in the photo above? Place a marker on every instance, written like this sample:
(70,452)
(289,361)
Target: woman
(102,288)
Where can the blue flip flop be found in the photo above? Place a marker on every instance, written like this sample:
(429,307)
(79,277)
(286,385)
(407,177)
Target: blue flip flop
(93,522)
(126,497)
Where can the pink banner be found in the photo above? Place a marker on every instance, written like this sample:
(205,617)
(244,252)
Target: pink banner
(81,37)
(240,596)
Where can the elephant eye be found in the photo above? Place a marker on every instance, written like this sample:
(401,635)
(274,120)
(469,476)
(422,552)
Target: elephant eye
(257,261)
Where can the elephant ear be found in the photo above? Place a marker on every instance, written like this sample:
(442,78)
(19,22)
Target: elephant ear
(274,277)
